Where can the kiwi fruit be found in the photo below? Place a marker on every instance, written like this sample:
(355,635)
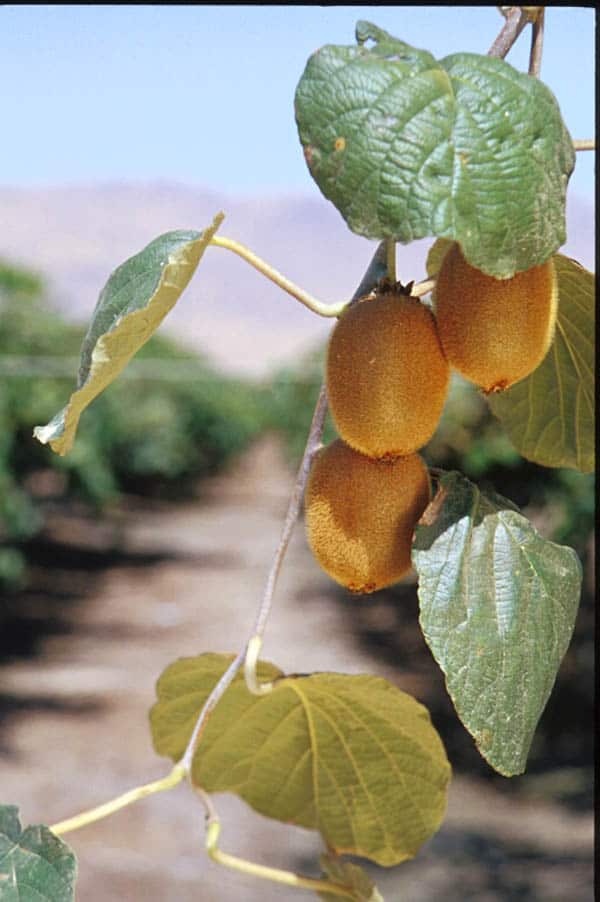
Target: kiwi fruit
(361,514)
(387,376)
(495,332)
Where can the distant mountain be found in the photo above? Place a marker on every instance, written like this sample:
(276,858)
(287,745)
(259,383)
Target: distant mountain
(76,236)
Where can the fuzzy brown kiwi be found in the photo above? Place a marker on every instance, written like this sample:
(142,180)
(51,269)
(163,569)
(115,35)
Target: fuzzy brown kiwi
(387,376)
(495,332)
(361,514)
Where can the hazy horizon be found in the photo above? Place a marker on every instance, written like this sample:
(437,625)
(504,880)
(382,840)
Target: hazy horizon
(76,235)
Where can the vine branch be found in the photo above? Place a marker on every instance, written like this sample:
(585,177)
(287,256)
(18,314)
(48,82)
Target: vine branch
(516,20)
(537,43)
(313,444)
(214,697)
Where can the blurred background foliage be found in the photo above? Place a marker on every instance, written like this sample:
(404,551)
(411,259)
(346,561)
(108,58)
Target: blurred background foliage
(153,432)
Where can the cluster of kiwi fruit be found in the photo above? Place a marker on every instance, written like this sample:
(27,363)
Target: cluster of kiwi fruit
(387,374)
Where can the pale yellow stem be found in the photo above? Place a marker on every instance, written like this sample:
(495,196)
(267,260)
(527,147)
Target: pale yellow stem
(289,878)
(250,664)
(134,795)
(585,144)
(271,273)
(422,288)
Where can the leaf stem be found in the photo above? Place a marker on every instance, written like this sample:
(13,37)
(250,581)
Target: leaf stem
(373,274)
(289,878)
(585,144)
(516,20)
(134,795)
(537,44)
(271,273)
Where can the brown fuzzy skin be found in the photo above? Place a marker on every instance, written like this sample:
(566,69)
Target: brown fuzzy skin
(387,377)
(361,514)
(495,332)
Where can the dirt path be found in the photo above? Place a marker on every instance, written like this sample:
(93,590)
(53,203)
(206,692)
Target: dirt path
(79,735)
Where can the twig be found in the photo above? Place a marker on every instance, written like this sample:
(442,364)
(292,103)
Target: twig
(516,20)
(313,443)
(210,703)
(312,446)
(537,43)
(274,275)
(585,144)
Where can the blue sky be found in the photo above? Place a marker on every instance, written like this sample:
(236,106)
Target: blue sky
(203,94)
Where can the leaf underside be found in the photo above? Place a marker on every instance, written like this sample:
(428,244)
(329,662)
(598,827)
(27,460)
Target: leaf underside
(550,415)
(350,756)
(497,609)
(131,306)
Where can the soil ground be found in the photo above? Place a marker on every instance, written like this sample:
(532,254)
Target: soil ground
(186,579)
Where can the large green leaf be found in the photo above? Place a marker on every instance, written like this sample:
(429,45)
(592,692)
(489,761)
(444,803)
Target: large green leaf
(35,866)
(466,148)
(550,416)
(350,756)
(498,607)
(131,306)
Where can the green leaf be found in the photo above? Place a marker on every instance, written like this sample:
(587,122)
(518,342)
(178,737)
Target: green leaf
(131,306)
(466,148)
(550,415)
(350,756)
(343,873)
(498,607)
(34,864)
